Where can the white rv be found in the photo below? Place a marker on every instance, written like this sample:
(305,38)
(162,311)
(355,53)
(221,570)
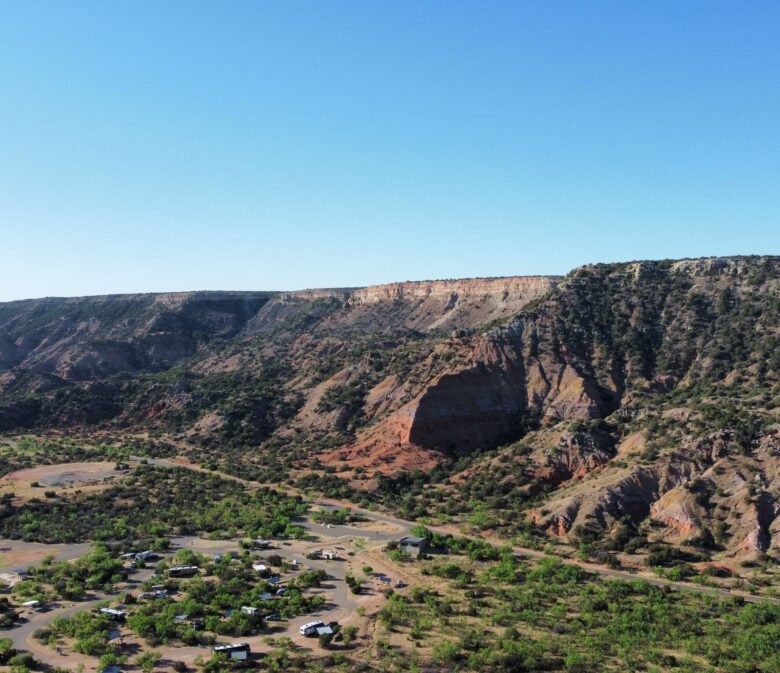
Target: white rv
(310,628)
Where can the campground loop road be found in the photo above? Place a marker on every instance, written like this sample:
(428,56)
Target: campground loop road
(403,527)
(342,603)
(22,635)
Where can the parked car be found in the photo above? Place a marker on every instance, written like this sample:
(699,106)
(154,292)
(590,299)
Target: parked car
(273,618)
(400,584)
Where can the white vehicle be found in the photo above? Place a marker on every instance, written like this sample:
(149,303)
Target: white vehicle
(236,651)
(310,628)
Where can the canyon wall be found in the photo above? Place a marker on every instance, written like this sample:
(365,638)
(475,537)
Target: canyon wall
(427,306)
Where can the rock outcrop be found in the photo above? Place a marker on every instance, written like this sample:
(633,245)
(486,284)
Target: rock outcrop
(658,380)
(427,306)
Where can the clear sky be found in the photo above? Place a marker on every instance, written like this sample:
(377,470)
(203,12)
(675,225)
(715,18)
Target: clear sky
(159,146)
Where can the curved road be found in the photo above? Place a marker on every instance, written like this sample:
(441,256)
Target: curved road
(342,602)
(22,635)
(404,526)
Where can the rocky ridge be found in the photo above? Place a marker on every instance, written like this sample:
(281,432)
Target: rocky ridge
(640,394)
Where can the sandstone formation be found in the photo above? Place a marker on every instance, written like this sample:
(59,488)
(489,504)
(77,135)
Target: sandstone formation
(639,394)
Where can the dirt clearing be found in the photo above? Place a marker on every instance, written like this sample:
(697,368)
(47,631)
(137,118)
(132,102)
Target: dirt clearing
(62,477)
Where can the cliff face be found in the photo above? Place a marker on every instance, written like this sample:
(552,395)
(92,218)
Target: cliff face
(513,289)
(609,335)
(133,332)
(88,338)
(679,360)
(49,345)
(438,306)
(618,384)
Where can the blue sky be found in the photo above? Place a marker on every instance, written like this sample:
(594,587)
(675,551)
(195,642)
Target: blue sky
(159,146)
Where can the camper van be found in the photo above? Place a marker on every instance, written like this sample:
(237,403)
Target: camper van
(310,628)
(183,571)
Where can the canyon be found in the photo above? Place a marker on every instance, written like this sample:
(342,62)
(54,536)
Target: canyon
(642,394)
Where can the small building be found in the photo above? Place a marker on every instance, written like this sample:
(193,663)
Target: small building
(236,651)
(112,669)
(115,614)
(183,571)
(413,545)
(325,630)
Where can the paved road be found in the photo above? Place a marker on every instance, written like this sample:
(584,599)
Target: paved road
(342,604)
(404,526)
(603,571)
(333,538)
(22,635)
